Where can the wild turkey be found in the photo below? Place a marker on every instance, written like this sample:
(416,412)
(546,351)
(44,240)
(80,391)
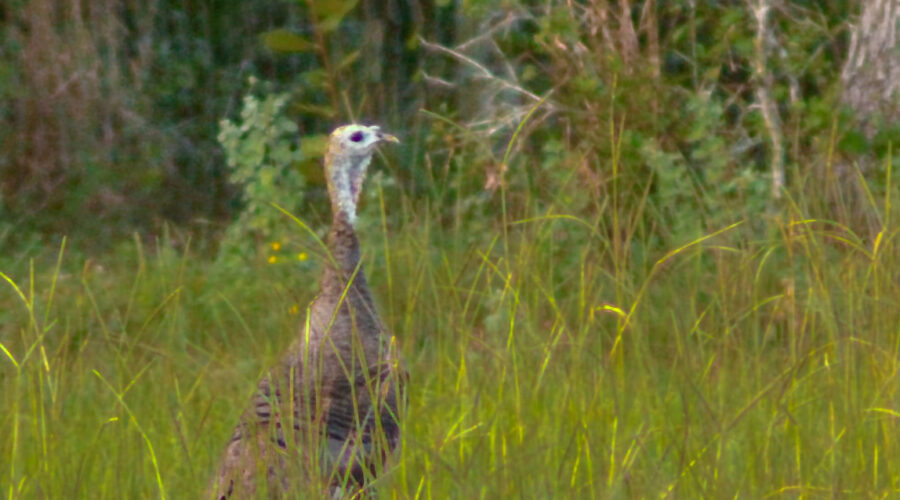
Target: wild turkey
(326,416)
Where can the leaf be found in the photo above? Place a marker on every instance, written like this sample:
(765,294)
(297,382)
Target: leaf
(349,59)
(317,78)
(330,13)
(282,40)
(331,8)
(529,73)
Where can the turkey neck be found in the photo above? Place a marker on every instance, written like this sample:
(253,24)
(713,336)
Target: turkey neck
(344,248)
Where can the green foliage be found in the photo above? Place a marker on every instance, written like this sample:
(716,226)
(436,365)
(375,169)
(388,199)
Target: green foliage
(707,180)
(173,70)
(675,82)
(284,41)
(330,14)
(263,156)
(709,368)
(601,300)
(112,111)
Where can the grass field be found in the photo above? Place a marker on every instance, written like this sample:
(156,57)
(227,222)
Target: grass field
(551,355)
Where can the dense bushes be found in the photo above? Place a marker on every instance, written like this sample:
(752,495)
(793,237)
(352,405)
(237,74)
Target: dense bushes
(112,110)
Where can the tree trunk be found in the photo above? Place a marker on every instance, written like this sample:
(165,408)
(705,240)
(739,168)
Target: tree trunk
(871,74)
(871,89)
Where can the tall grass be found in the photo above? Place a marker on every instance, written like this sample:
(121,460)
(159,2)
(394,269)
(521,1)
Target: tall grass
(554,356)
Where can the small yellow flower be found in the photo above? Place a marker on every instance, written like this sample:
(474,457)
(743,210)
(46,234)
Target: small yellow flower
(276,246)
(273,259)
(302,256)
(294,310)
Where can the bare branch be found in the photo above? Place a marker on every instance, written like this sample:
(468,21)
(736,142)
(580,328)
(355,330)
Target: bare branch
(763,78)
(488,35)
(483,72)
(437,81)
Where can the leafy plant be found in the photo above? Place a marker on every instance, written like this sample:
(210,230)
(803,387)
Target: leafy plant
(263,154)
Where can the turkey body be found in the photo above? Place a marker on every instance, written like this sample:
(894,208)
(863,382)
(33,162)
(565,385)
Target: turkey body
(325,419)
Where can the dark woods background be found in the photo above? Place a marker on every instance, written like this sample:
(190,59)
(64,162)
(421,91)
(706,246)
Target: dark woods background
(110,110)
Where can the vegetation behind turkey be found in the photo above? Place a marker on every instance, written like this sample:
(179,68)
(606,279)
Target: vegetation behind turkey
(599,286)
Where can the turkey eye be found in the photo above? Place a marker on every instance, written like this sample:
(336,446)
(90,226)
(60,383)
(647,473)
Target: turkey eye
(356,137)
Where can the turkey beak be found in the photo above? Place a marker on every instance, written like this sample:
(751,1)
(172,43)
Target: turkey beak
(385,137)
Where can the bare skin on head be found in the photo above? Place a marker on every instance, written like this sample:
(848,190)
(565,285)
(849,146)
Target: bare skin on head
(346,161)
(327,414)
